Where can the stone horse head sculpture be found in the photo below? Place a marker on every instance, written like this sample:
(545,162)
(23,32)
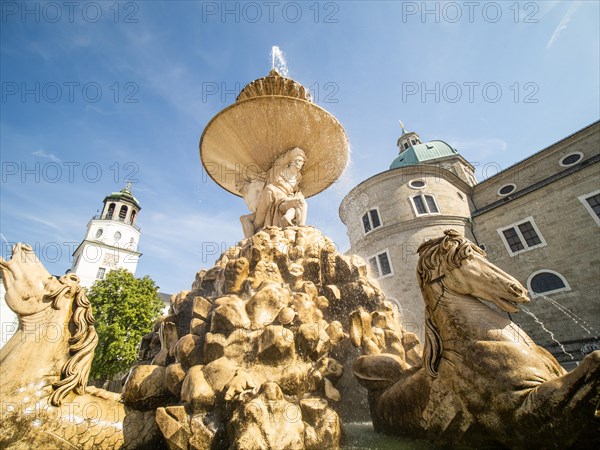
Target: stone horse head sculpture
(483,380)
(53,314)
(44,367)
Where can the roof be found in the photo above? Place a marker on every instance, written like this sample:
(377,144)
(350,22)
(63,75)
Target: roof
(123,194)
(565,139)
(423,152)
(166,298)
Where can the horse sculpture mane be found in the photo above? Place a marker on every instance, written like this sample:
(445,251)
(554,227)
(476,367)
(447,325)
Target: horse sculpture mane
(75,372)
(451,249)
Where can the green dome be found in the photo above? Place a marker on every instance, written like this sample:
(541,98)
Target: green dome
(420,153)
(123,195)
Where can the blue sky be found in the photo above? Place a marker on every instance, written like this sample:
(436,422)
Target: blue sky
(140,80)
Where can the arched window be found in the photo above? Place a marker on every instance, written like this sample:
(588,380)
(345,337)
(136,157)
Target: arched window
(123,213)
(132,220)
(111,211)
(547,282)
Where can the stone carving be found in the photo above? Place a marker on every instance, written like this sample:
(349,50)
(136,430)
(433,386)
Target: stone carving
(483,381)
(251,357)
(279,202)
(262,345)
(44,369)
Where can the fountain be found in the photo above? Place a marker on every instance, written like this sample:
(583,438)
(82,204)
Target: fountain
(264,350)
(256,353)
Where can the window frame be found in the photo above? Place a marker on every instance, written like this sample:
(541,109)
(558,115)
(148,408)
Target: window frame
(583,199)
(500,194)
(560,162)
(515,226)
(424,200)
(103,274)
(376,256)
(368,214)
(412,186)
(555,291)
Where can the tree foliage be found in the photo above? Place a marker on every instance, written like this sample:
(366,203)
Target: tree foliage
(125,309)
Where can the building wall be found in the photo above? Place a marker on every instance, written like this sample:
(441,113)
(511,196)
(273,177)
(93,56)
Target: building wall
(92,256)
(402,230)
(104,250)
(572,249)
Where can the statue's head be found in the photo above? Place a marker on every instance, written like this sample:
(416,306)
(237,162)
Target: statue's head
(287,167)
(296,157)
(26,281)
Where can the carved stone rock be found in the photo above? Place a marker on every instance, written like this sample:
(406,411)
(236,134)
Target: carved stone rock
(261,340)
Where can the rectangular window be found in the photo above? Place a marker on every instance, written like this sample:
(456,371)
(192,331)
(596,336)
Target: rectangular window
(529,234)
(384,263)
(521,236)
(425,204)
(591,202)
(513,239)
(380,265)
(101,273)
(374,267)
(371,220)
(366,223)
(419,205)
(431,204)
(594,202)
(375,218)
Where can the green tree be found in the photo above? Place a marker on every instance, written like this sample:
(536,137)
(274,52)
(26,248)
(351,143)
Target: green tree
(125,309)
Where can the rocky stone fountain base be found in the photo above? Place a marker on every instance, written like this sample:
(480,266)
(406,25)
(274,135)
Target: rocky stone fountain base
(252,356)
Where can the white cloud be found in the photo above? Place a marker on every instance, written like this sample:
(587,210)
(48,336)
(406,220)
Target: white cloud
(43,154)
(563,23)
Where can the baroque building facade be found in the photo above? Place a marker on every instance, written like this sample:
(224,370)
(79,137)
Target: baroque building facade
(538,220)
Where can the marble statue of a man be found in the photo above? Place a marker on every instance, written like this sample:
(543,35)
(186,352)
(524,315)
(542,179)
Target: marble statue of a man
(280,202)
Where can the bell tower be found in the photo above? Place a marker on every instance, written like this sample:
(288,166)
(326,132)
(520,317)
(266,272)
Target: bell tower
(407,139)
(111,239)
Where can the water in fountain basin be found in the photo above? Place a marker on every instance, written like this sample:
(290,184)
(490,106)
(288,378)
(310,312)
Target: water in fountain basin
(550,333)
(361,436)
(278,61)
